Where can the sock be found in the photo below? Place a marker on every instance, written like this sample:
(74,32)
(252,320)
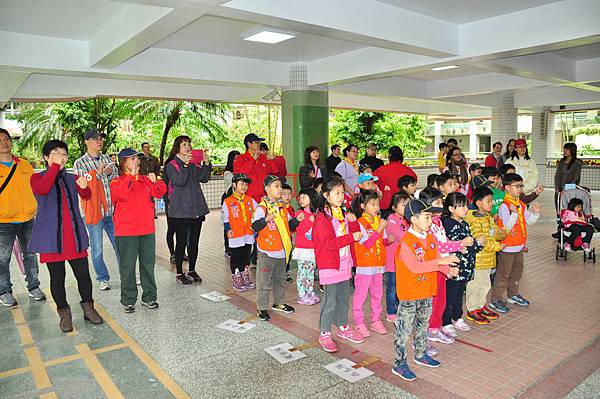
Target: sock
(324,333)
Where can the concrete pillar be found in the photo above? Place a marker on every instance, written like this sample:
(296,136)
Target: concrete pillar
(473,140)
(553,141)
(437,131)
(305,118)
(505,120)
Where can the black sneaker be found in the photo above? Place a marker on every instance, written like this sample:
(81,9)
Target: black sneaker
(288,279)
(194,276)
(185,258)
(172,258)
(182,279)
(263,315)
(129,309)
(285,308)
(499,306)
(150,304)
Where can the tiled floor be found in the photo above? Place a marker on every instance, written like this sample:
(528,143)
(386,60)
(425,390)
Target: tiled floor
(543,351)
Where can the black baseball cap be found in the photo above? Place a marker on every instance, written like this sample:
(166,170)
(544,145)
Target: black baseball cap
(128,153)
(480,181)
(92,134)
(270,179)
(251,137)
(416,206)
(242,177)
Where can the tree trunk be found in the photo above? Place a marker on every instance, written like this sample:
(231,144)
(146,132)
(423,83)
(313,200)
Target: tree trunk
(172,119)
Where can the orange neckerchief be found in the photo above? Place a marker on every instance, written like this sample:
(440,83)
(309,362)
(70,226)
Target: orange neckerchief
(354,164)
(242,206)
(517,203)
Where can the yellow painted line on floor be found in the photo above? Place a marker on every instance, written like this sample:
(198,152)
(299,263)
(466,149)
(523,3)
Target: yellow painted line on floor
(110,348)
(10,373)
(99,373)
(25,333)
(160,374)
(18,315)
(61,360)
(49,395)
(40,376)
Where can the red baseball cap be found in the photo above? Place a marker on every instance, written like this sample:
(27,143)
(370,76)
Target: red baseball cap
(520,143)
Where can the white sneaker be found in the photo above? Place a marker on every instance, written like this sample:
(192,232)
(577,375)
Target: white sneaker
(449,330)
(103,285)
(461,325)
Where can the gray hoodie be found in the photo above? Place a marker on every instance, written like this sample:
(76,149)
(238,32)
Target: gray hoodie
(187,200)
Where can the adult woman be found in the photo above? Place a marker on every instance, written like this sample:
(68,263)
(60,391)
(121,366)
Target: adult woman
(568,170)
(187,205)
(510,147)
(311,169)
(59,233)
(457,166)
(132,196)
(348,168)
(228,173)
(525,166)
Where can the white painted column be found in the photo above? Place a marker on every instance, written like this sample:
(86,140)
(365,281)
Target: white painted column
(437,131)
(473,140)
(505,120)
(553,141)
(2,119)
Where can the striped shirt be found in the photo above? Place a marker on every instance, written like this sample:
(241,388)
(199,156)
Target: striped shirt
(87,163)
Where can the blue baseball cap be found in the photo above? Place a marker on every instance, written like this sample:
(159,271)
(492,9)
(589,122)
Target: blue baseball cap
(128,153)
(366,177)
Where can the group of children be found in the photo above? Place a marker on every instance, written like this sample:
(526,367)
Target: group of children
(432,249)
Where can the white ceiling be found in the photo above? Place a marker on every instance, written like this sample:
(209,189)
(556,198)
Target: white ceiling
(580,52)
(216,35)
(462,70)
(464,11)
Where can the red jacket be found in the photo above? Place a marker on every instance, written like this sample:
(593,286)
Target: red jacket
(280,168)
(256,169)
(491,161)
(134,209)
(388,176)
(304,230)
(327,245)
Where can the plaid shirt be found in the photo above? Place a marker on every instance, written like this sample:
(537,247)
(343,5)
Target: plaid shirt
(88,163)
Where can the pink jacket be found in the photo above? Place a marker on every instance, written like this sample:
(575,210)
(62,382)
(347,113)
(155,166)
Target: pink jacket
(397,226)
(445,246)
(304,230)
(570,217)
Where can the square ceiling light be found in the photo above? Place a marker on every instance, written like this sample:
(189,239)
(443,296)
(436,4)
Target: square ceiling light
(268,35)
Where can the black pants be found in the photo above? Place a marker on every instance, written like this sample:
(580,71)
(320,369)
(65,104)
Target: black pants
(454,301)
(186,228)
(170,236)
(240,258)
(576,230)
(57,281)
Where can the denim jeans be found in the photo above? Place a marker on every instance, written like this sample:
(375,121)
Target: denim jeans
(391,297)
(8,233)
(95,232)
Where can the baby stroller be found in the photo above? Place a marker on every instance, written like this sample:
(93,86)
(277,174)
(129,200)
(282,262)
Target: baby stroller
(562,203)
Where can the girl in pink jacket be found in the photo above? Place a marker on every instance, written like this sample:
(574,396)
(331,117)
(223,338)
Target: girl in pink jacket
(575,222)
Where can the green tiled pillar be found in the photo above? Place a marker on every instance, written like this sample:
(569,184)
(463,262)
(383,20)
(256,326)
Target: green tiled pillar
(305,119)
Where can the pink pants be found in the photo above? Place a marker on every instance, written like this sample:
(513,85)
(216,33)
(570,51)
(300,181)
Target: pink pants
(362,285)
(439,303)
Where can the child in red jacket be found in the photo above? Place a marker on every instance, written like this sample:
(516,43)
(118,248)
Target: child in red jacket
(134,228)
(304,253)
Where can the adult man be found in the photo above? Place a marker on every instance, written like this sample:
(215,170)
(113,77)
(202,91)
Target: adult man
(99,166)
(451,143)
(389,174)
(279,162)
(256,165)
(334,159)
(371,158)
(148,162)
(17,210)
(492,159)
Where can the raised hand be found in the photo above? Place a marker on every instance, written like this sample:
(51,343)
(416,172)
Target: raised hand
(481,240)
(467,241)
(82,182)
(382,225)
(351,217)
(536,208)
(449,260)
(357,235)
(452,272)
(300,217)
(152,177)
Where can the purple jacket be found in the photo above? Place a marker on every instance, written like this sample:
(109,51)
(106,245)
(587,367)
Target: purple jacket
(46,236)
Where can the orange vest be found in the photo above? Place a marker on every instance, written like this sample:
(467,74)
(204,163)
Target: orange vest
(369,257)
(518,234)
(411,286)
(269,239)
(236,219)
(92,208)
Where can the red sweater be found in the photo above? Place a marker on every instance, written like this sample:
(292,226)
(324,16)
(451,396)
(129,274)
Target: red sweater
(257,170)
(388,177)
(134,209)
(304,229)
(327,244)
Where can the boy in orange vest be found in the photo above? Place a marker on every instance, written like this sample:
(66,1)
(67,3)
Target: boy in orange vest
(417,262)
(514,217)
(272,223)
(238,209)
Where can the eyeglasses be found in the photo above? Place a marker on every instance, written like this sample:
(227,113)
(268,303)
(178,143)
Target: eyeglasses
(518,185)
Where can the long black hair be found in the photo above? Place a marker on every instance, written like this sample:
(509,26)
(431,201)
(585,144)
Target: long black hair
(572,147)
(176,145)
(515,155)
(507,152)
(307,151)
(230,158)
(363,198)
(313,196)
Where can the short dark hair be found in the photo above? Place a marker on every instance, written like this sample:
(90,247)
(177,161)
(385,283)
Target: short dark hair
(396,153)
(53,145)
(504,168)
(431,179)
(285,186)
(313,196)
(441,146)
(480,193)
(362,198)
(496,143)
(405,181)
(145,143)
(489,171)
(348,148)
(573,203)
(430,194)
(443,178)
(317,182)
(334,147)
(397,197)
(511,178)
(453,141)
(454,200)
(4,131)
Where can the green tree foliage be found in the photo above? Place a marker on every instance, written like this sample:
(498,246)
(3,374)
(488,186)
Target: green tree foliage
(383,129)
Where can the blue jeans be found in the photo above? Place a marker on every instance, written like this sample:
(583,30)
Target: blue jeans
(95,233)
(8,233)
(391,298)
